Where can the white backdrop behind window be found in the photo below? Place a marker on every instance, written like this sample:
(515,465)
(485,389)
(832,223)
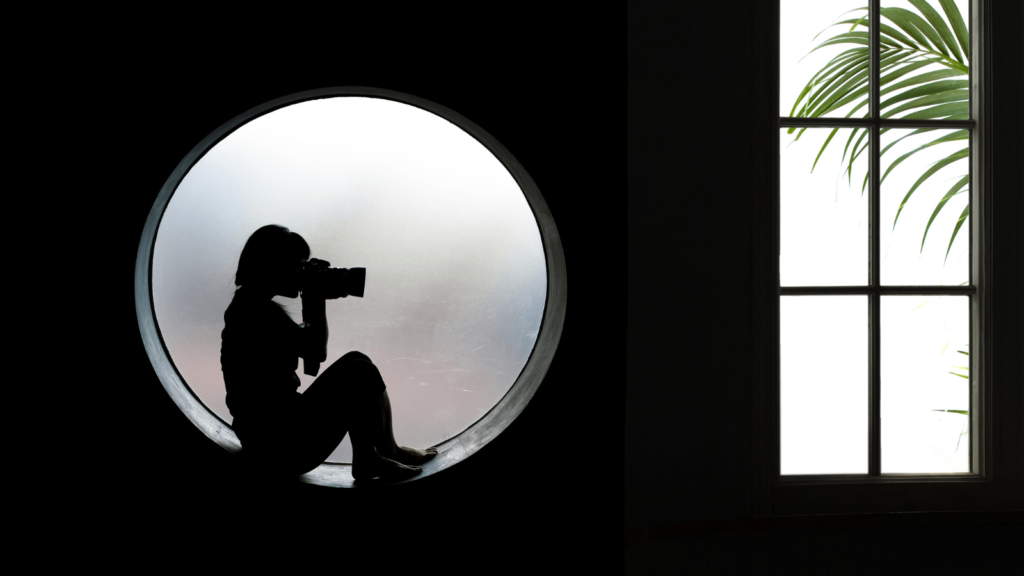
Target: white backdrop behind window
(455,270)
(823,241)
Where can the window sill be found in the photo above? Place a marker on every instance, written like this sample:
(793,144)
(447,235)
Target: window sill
(884,479)
(872,521)
(912,493)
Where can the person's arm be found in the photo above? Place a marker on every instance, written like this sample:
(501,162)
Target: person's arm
(314,318)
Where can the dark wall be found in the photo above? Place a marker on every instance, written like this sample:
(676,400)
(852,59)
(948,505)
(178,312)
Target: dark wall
(548,85)
(695,108)
(690,224)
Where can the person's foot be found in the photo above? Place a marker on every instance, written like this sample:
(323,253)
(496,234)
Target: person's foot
(411,456)
(383,469)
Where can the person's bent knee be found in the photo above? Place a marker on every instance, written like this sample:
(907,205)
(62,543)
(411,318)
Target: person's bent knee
(356,377)
(354,355)
(345,364)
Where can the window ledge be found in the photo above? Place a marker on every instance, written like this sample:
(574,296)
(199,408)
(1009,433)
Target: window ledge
(830,522)
(911,494)
(886,479)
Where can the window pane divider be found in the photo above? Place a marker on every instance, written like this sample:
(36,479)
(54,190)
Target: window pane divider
(888,478)
(883,290)
(790,122)
(874,290)
(834,493)
(874,251)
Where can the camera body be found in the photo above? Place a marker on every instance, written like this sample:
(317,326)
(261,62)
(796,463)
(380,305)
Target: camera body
(318,278)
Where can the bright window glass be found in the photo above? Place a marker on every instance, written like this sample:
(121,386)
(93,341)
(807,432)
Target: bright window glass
(806,25)
(913,283)
(455,270)
(924,207)
(824,215)
(823,396)
(925,384)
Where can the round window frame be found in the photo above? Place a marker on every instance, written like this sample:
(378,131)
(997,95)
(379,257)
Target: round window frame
(453,449)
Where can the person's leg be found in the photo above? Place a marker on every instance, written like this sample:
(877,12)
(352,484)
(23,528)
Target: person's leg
(387,446)
(353,385)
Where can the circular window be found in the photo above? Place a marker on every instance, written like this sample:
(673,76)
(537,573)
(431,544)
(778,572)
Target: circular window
(465,281)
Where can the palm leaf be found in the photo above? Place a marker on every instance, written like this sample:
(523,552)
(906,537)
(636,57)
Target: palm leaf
(827,140)
(853,157)
(889,35)
(952,136)
(847,38)
(827,70)
(919,29)
(959,223)
(865,8)
(940,27)
(893,33)
(953,13)
(908,82)
(848,140)
(940,98)
(896,141)
(927,89)
(853,76)
(920,79)
(941,111)
(861,79)
(896,16)
(962,68)
(912,42)
(956,189)
(863,89)
(905,18)
(927,174)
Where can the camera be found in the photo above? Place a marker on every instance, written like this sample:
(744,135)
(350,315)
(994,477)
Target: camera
(319,278)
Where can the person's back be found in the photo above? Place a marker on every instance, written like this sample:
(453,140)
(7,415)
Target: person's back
(259,363)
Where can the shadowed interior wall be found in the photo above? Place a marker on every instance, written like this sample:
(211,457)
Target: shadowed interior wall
(689,324)
(692,98)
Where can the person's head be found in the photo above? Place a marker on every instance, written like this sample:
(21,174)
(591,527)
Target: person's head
(270,261)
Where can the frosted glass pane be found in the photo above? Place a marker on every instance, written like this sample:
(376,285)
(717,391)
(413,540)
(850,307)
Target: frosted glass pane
(909,256)
(455,269)
(843,65)
(935,79)
(924,339)
(823,234)
(823,384)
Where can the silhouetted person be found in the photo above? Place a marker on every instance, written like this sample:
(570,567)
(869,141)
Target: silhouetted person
(281,430)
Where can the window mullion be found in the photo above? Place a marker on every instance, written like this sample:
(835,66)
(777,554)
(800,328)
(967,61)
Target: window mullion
(874,277)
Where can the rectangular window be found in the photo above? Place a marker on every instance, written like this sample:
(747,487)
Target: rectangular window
(879,277)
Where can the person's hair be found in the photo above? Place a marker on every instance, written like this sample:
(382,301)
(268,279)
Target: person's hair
(267,253)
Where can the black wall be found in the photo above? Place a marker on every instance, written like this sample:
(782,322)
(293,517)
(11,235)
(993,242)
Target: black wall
(124,104)
(690,462)
(691,98)
(546,83)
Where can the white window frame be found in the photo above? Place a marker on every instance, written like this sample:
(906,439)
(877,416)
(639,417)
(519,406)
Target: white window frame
(775,494)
